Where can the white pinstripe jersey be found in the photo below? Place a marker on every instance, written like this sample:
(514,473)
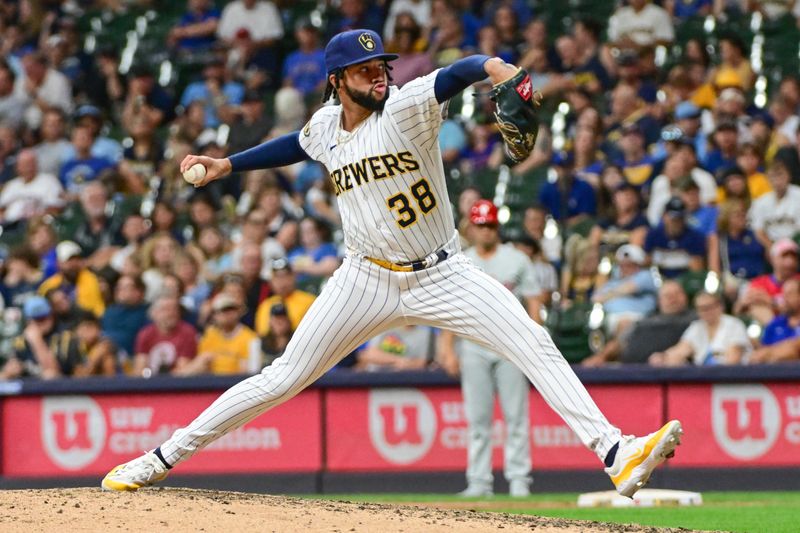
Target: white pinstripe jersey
(387,174)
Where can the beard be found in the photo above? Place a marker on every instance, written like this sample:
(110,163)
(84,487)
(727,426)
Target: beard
(365,99)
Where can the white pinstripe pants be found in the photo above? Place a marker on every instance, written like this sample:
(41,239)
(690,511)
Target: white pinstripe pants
(362,300)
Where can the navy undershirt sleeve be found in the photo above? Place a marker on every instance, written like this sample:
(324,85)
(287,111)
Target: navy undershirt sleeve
(454,78)
(284,150)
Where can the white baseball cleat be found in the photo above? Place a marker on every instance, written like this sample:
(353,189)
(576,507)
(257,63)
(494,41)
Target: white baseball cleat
(637,457)
(135,474)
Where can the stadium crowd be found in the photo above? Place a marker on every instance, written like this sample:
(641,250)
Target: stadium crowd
(660,210)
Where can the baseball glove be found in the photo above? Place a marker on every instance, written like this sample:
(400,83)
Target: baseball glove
(515,112)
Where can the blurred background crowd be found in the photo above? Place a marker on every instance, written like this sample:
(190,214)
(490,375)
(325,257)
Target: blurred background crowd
(660,210)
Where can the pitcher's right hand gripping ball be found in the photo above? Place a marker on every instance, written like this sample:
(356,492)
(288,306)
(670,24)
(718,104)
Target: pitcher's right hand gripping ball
(516,114)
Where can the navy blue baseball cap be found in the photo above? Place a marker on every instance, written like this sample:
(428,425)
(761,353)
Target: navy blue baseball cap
(354,46)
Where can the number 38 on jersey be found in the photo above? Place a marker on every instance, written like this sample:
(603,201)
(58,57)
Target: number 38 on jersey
(423,201)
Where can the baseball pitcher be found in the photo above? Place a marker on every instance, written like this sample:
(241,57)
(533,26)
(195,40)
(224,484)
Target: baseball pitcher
(403,263)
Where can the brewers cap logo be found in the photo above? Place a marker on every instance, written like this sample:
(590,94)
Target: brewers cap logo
(367,42)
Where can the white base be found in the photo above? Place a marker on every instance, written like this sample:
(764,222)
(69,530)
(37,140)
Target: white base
(643,498)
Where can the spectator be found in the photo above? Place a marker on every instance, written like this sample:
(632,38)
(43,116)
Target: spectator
(285,291)
(640,24)
(93,354)
(418,11)
(219,95)
(41,237)
(53,146)
(80,284)
(259,23)
(196,28)
(254,231)
(630,294)
(213,252)
(281,225)
(637,165)
(786,325)
(750,161)
(141,161)
(790,155)
(734,187)
(227,346)
(102,147)
(579,274)
(21,276)
(449,40)
(713,339)
(627,110)
(776,215)
(195,290)
(257,289)
(274,343)
(41,87)
(702,218)
(125,317)
(98,232)
(12,104)
(65,311)
(733,250)
(34,352)
(627,225)
(9,144)
(726,142)
(780,339)
(251,125)
(31,193)
(544,272)
(304,69)
(133,231)
(535,225)
(413,61)
(84,167)
(403,348)
(159,256)
(673,246)
(145,99)
(167,344)
(355,14)
(652,333)
(762,298)
(569,199)
(316,258)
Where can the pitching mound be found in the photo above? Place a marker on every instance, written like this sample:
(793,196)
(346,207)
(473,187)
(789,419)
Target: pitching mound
(166,509)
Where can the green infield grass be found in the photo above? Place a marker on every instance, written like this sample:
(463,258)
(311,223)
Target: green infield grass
(752,512)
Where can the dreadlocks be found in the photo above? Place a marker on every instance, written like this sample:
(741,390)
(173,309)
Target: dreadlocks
(331,90)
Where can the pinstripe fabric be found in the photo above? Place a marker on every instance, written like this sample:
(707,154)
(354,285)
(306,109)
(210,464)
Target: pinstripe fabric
(457,296)
(362,300)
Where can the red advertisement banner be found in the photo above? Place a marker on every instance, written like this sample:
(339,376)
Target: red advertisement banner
(737,424)
(425,429)
(88,435)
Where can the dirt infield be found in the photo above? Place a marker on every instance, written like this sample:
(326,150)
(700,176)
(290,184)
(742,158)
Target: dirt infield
(167,509)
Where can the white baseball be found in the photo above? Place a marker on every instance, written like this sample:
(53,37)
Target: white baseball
(195,174)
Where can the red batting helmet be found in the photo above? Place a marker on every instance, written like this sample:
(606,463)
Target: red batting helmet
(483,212)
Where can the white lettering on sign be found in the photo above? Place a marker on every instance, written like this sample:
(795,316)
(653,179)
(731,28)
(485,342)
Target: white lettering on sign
(130,417)
(554,437)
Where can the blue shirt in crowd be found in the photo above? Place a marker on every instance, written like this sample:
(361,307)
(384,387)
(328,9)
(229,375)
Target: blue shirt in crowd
(745,254)
(197,43)
(121,323)
(233,92)
(75,173)
(672,254)
(305,70)
(643,301)
(779,330)
(704,219)
(580,199)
